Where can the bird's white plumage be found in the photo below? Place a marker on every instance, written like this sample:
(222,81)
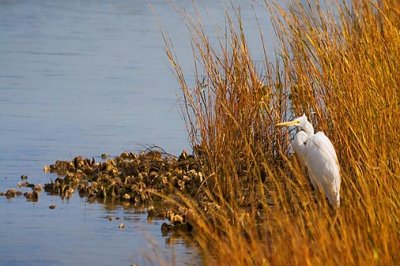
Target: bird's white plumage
(299,145)
(321,161)
(316,151)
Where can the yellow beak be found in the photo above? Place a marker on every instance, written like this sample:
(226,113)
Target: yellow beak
(289,123)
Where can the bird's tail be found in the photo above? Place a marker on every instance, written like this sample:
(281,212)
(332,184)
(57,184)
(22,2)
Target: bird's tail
(335,201)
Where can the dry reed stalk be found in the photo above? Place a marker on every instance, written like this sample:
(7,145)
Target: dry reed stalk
(340,62)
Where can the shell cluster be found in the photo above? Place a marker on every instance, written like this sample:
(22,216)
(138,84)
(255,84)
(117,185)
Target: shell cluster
(30,196)
(137,178)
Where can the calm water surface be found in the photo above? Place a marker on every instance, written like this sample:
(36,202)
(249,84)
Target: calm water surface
(84,78)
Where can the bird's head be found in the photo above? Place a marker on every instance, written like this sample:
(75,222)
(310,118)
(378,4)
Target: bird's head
(301,122)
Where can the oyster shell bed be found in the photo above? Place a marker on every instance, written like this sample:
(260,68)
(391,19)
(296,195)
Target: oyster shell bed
(150,178)
(127,177)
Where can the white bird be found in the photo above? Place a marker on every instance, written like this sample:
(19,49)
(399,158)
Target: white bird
(318,154)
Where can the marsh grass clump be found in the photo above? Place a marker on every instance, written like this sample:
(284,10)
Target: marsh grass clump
(337,63)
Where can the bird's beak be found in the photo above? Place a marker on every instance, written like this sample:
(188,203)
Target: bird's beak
(289,123)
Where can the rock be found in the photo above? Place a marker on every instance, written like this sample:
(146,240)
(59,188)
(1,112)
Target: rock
(26,184)
(38,188)
(177,219)
(11,193)
(166,228)
(153,212)
(126,196)
(46,169)
(183,156)
(31,196)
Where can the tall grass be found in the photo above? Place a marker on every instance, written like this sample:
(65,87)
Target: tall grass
(341,62)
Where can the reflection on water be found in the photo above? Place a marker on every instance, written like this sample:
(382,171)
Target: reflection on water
(79,233)
(84,77)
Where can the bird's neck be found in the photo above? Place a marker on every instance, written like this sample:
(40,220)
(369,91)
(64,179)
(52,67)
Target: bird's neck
(309,129)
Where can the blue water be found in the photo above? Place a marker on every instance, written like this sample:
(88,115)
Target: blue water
(85,77)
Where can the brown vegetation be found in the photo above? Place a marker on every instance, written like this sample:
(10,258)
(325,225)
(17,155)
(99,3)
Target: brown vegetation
(340,62)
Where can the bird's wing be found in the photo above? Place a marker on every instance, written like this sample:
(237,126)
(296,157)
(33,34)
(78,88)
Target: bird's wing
(323,165)
(325,145)
(299,145)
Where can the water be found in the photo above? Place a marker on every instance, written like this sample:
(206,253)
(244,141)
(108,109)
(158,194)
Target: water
(85,77)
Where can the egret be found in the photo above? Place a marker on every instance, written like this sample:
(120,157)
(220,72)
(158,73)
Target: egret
(317,153)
